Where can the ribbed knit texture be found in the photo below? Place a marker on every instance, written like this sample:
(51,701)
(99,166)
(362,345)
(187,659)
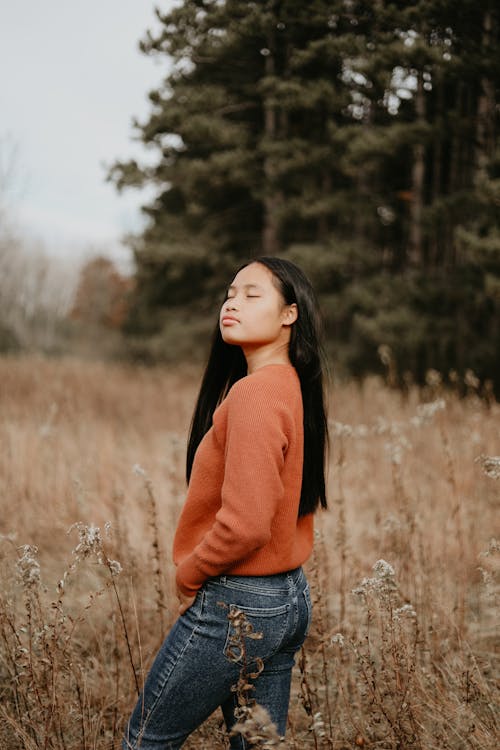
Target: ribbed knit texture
(241,510)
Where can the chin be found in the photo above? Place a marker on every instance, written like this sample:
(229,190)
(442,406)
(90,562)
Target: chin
(228,339)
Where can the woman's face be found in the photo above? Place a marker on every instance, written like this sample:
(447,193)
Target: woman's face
(255,313)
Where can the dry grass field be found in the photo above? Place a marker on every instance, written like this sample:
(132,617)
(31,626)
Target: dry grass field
(403,652)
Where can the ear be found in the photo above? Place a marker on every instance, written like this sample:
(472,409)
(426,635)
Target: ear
(290,314)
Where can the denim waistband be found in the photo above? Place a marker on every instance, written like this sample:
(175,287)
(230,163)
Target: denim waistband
(275,580)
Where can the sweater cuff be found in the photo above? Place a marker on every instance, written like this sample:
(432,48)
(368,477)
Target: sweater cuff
(188,577)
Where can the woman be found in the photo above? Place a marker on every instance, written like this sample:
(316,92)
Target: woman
(255,470)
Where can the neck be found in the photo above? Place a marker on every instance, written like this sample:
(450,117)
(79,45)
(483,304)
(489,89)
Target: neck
(266,355)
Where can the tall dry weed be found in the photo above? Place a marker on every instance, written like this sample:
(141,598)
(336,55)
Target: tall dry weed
(403,651)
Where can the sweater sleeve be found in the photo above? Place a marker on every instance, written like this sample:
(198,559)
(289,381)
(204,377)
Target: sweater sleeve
(255,442)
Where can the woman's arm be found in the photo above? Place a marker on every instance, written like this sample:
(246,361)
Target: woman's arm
(255,441)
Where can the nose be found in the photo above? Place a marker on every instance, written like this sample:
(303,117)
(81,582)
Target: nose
(230,304)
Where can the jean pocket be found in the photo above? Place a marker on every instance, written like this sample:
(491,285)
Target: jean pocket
(195,611)
(255,633)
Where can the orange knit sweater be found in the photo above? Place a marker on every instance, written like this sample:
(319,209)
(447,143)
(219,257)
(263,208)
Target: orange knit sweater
(241,511)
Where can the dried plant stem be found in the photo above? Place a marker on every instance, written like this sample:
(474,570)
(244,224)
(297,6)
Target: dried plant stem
(309,698)
(320,563)
(341,530)
(29,743)
(457,513)
(160,598)
(117,655)
(82,715)
(19,695)
(292,744)
(125,630)
(347,703)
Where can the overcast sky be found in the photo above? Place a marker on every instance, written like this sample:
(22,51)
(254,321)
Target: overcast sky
(71,80)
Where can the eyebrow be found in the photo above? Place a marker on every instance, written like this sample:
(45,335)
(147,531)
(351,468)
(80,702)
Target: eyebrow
(245,286)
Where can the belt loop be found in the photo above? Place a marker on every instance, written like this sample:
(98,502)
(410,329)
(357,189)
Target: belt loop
(297,575)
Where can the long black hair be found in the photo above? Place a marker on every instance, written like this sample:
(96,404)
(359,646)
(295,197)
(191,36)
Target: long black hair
(227,364)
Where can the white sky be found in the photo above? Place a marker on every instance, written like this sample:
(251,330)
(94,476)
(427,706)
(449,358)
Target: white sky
(71,80)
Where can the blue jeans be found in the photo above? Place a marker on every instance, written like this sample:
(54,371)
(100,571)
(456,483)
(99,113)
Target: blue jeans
(202,656)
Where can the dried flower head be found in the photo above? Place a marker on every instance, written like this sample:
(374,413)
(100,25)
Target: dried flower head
(361,431)
(383,582)
(392,524)
(396,448)
(90,545)
(406,611)
(256,727)
(28,567)
(139,471)
(115,567)
(382,426)
(490,570)
(383,569)
(318,724)
(426,412)
(339,429)
(493,548)
(433,378)
(385,353)
(90,541)
(471,380)
(490,465)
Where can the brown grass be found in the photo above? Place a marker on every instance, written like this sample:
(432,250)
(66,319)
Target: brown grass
(403,487)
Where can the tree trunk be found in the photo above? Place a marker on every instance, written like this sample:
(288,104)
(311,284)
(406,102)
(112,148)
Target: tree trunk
(323,223)
(485,117)
(454,173)
(417,177)
(273,198)
(436,239)
(454,176)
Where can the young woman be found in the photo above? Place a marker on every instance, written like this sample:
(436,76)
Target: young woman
(255,469)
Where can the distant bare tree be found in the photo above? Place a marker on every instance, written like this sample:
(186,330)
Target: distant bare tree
(36,290)
(36,293)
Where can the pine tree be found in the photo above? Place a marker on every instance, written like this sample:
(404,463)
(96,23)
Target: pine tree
(241,128)
(356,137)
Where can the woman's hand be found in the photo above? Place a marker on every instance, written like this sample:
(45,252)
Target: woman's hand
(185,601)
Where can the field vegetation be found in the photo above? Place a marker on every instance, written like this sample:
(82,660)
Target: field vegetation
(403,651)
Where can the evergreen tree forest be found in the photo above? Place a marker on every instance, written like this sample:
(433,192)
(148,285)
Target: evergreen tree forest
(359,139)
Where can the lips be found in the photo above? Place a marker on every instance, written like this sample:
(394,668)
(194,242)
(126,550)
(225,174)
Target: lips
(228,320)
